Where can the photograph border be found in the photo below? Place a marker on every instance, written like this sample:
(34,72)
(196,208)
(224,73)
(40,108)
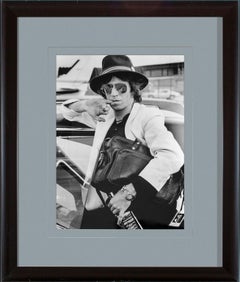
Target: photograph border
(11,11)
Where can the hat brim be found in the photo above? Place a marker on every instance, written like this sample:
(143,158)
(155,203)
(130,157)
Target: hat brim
(137,77)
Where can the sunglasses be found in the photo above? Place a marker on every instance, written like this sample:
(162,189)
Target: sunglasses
(106,89)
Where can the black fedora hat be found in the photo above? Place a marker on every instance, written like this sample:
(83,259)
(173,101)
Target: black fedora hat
(114,65)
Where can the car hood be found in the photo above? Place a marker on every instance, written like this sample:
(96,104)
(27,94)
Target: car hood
(78,153)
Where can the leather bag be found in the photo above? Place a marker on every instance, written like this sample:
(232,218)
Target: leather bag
(172,188)
(120,160)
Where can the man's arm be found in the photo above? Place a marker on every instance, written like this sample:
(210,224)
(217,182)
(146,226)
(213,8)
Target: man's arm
(168,155)
(85,111)
(94,107)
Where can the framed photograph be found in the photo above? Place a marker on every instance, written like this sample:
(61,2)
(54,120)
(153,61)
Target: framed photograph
(119,141)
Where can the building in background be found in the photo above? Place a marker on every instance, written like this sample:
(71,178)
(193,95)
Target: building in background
(164,77)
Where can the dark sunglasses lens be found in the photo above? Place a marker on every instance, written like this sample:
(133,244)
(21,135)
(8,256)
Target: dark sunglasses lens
(121,88)
(106,89)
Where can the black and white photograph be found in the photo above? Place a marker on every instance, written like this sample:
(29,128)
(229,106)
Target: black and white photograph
(120,142)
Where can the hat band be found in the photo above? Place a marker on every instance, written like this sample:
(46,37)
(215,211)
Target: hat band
(118,68)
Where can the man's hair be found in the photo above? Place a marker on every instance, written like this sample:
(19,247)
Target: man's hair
(134,86)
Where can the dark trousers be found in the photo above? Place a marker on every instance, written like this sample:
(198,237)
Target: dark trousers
(152,214)
(99,219)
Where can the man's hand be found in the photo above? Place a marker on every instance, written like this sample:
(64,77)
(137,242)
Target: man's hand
(97,107)
(119,202)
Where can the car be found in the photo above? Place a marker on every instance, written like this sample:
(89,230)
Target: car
(163,93)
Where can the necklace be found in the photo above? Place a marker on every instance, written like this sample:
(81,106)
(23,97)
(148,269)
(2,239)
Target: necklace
(119,121)
(123,118)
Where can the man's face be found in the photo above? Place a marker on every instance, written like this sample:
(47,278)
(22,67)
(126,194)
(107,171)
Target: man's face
(119,93)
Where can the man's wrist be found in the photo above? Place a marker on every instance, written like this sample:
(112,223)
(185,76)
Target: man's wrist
(130,193)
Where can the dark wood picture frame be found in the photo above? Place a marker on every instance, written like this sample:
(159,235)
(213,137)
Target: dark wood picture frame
(11,11)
